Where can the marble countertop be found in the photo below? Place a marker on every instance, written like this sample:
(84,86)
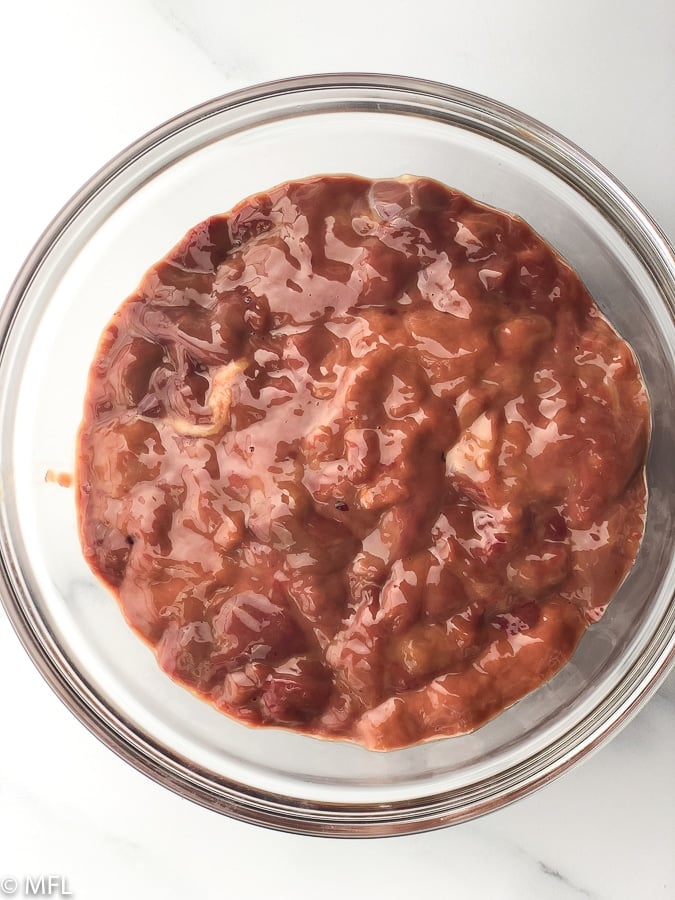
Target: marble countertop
(80,80)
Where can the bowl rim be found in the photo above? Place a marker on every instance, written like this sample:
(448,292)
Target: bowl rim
(552,151)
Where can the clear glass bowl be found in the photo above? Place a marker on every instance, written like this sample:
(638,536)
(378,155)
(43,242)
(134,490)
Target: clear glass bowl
(91,258)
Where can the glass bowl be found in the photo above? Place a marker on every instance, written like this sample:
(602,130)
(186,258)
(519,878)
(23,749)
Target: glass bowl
(93,255)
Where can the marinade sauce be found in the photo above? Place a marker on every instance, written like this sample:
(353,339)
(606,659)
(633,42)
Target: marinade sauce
(362,459)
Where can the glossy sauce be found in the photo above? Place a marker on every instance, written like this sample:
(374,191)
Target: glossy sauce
(63,479)
(362,459)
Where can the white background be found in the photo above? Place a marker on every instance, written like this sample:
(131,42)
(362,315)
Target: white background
(80,79)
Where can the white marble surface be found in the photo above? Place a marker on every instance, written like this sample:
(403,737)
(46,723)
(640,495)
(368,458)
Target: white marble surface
(82,78)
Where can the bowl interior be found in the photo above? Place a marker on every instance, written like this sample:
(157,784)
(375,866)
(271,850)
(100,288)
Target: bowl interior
(132,220)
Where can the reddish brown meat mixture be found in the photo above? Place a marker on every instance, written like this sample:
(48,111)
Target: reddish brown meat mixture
(362,459)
